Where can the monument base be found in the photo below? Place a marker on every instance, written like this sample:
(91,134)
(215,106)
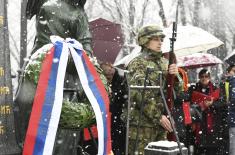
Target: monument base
(164,148)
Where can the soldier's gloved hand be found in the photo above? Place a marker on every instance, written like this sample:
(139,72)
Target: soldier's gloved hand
(165,123)
(173,69)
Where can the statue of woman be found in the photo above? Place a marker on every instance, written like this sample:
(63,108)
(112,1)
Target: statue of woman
(67,19)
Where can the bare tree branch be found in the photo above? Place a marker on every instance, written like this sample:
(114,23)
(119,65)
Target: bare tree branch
(182,12)
(23,32)
(14,54)
(190,7)
(143,13)
(162,13)
(119,10)
(196,12)
(14,42)
(90,6)
(30,39)
(125,23)
(174,5)
(107,8)
(15,57)
(229,24)
(132,18)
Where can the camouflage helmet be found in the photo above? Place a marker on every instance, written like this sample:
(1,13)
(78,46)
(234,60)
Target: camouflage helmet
(148,32)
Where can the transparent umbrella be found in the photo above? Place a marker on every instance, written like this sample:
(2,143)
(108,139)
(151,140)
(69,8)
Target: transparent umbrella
(197,60)
(189,40)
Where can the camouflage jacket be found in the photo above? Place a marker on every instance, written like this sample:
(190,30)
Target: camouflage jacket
(62,19)
(153,104)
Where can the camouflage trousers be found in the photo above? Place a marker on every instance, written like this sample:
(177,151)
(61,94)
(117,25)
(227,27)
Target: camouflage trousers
(146,135)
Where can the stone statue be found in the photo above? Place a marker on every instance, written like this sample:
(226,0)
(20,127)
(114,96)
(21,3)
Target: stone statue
(67,19)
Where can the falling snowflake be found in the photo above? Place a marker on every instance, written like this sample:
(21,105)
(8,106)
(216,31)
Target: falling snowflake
(55,60)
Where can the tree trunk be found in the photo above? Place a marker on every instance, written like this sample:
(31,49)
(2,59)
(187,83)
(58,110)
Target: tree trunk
(132,19)
(182,12)
(196,12)
(8,143)
(162,13)
(219,31)
(23,33)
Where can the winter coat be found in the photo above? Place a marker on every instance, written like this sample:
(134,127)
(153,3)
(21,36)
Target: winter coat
(119,98)
(231,102)
(206,135)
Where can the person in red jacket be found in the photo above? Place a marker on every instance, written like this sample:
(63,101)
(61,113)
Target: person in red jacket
(208,129)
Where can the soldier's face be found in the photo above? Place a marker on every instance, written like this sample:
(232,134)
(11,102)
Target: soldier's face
(155,44)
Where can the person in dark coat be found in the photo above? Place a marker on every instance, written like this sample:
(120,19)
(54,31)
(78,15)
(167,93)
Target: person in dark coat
(209,130)
(228,86)
(119,98)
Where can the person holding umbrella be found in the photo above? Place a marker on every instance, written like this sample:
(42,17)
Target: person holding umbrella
(154,124)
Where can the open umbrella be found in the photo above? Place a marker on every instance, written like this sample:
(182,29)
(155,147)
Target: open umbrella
(107,39)
(190,39)
(197,60)
(230,58)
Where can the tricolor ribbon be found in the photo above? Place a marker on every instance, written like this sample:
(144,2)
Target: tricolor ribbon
(46,110)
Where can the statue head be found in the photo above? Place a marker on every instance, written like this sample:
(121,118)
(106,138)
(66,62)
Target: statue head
(33,6)
(81,3)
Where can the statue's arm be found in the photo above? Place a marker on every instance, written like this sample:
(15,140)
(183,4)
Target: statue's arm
(83,33)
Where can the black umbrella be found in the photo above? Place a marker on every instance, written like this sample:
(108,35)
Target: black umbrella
(230,58)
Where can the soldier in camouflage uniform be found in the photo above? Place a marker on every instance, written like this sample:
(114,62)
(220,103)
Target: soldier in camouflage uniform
(154,124)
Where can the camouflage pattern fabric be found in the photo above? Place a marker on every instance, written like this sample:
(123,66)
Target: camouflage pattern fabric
(150,128)
(148,32)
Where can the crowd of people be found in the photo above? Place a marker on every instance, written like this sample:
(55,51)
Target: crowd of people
(211,128)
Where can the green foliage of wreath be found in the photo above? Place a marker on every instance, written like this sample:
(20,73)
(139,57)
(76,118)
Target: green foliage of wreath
(33,69)
(74,115)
